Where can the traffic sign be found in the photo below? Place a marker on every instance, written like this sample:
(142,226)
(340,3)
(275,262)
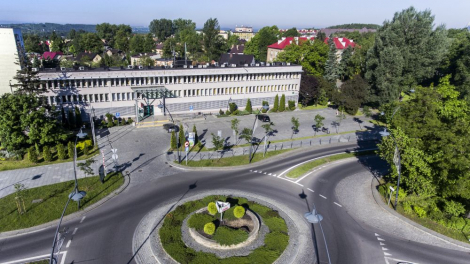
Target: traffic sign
(118,114)
(221,206)
(186,144)
(191,108)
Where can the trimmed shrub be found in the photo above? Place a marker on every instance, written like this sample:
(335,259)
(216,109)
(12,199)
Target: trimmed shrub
(60,151)
(209,228)
(46,153)
(198,221)
(70,149)
(228,236)
(38,150)
(291,105)
(81,144)
(173,140)
(116,122)
(227,112)
(32,155)
(110,124)
(239,211)
(264,103)
(212,208)
(276,104)
(236,112)
(232,107)
(282,103)
(221,112)
(248,106)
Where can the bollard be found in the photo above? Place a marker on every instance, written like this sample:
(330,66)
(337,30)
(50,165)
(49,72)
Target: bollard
(330,141)
(291,144)
(275,147)
(320,141)
(349,138)
(310,142)
(338,139)
(282,145)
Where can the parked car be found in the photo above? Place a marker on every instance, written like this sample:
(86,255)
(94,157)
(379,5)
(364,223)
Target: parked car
(264,118)
(170,127)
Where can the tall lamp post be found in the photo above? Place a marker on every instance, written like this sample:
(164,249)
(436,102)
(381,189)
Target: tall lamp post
(265,107)
(315,218)
(76,195)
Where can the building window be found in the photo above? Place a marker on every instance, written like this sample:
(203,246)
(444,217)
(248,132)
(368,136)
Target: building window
(118,96)
(101,98)
(106,96)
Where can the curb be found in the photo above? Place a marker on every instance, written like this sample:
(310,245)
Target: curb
(262,162)
(448,240)
(67,218)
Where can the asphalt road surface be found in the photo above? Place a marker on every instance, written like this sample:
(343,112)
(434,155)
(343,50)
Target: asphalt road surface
(105,234)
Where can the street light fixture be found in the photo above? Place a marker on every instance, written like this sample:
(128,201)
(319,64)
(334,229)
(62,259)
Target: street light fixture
(265,107)
(315,218)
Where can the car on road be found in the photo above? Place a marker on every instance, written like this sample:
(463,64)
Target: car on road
(264,118)
(171,127)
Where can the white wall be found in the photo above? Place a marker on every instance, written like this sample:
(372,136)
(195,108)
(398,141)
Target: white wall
(8,57)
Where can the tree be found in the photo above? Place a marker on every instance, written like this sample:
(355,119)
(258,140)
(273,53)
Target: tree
(173,144)
(276,104)
(309,89)
(332,67)
(295,125)
(318,122)
(258,45)
(107,32)
(217,141)
(136,44)
(311,55)
(214,44)
(353,94)
(232,40)
(85,167)
(407,51)
(248,107)
(27,80)
(122,40)
(282,103)
(234,126)
(196,139)
(78,118)
(162,28)
(149,43)
(46,154)
(70,149)
(345,71)
(268,128)
(91,42)
(60,151)
(291,33)
(246,134)
(232,107)
(32,43)
(32,155)
(182,136)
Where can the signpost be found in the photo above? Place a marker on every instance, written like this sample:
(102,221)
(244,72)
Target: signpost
(391,192)
(222,207)
(186,148)
(191,139)
(115,157)
(104,168)
(117,116)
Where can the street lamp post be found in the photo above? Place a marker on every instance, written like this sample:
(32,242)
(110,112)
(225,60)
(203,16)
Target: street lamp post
(315,218)
(163,106)
(265,107)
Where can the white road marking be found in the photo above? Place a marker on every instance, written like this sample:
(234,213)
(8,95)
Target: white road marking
(305,175)
(68,244)
(264,173)
(387,254)
(400,260)
(291,181)
(260,171)
(270,174)
(62,261)
(322,196)
(274,175)
(377,234)
(382,244)
(310,190)
(83,218)
(74,231)
(255,171)
(338,204)
(380,239)
(384,248)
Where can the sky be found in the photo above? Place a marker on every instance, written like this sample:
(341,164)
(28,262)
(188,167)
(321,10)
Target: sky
(255,13)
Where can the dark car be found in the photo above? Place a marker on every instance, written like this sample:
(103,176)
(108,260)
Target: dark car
(264,118)
(171,127)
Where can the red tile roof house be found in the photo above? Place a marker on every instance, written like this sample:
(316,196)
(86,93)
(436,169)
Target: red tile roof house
(341,45)
(275,48)
(51,55)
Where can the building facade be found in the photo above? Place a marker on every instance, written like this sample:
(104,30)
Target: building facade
(243,32)
(11,51)
(275,48)
(194,89)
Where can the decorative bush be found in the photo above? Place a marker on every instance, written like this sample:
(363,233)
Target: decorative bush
(70,149)
(227,112)
(81,144)
(46,153)
(248,106)
(239,211)
(454,208)
(60,151)
(282,103)
(198,221)
(407,208)
(212,208)
(116,122)
(32,155)
(233,107)
(291,105)
(209,228)
(236,112)
(221,112)
(227,236)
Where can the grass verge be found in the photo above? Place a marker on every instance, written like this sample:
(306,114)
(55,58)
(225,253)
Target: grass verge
(232,161)
(313,107)
(25,163)
(304,168)
(46,203)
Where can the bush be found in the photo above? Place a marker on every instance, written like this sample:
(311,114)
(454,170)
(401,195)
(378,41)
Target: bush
(85,148)
(227,112)
(70,149)
(248,106)
(129,121)
(228,236)
(232,107)
(239,211)
(116,122)
(282,103)
(46,153)
(173,140)
(110,124)
(407,208)
(32,155)
(212,208)
(454,208)
(276,104)
(209,228)
(198,221)
(221,112)
(60,151)
(81,144)
(291,105)
(265,103)
(419,211)
(236,112)
(366,111)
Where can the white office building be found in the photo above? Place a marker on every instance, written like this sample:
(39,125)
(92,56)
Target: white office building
(11,50)
(190,90)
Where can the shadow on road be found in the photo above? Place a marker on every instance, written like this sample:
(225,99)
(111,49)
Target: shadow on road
(190,187)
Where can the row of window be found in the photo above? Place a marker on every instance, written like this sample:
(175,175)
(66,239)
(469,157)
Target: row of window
(136,81)
(129,96)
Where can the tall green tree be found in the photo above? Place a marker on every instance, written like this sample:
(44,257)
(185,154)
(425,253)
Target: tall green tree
(282,103)
(122,40)
(162,28)
(345,69)
(136,44)
(248,106)
(332,65)
(173,140)
(407,51)
(258,45)
(27,80)
(196,137)
(91,42)
(214,45)
(292,32)
(149,43)
(318,122)
(276,104)
(353,93)
(234,126)
(311,55)
(182,137)
(78,118)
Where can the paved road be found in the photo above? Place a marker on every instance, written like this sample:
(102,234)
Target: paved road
(105,235)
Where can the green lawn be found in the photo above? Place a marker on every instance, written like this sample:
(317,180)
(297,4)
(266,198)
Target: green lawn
(378,123)
(306,167)
(12,164)
(232,161)
(313,107)
(54,197)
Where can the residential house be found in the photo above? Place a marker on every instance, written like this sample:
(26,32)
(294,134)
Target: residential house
(329,31)
(237,49)
(52,55)
(159,49)
(88,56)
(244,32)
(341,44)
(135,59)
(276,48)
(236,59)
